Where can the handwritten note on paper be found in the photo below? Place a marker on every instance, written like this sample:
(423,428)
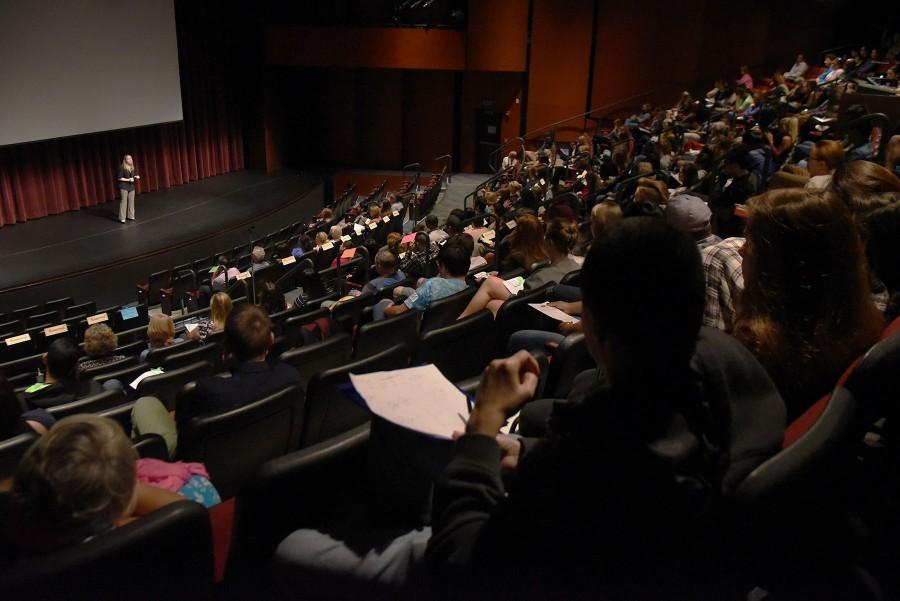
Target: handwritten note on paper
(328,245)
(554,313)
(417,398)
(242,276)
(345,238)
(515,285)
(373,225)
(288,260)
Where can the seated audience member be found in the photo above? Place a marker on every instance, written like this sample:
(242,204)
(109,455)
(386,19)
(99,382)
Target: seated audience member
(336,233)
(13,421)
(525,244)
(560,239)
(100,344)
(321,240)
(510,160)
(224,274)
(805,310)
(270,297)
(60,383)
(453,265)
(435,234)
(304,246)
(388,274)
(248,336)
(689,214)
(160,334)
(858,181)
(882,227)
(824,159)
(734,185)
(745,81)
(219,308)
(723,270)
(258,258)
(420,258)
(393,244)
(798,69)
(604,215)
(75,483)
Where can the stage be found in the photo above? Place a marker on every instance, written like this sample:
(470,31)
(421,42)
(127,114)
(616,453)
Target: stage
(89,255)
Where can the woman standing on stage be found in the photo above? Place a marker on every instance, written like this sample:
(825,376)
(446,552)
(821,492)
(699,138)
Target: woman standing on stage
(125,184)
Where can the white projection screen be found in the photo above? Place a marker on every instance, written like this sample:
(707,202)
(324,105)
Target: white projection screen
(70,67)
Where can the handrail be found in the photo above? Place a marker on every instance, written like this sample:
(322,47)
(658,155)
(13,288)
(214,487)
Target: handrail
(449,158)
(405,167)
(586,113)
(491,159)
(481,186)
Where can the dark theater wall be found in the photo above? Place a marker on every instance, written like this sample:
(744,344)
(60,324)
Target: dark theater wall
(382,97)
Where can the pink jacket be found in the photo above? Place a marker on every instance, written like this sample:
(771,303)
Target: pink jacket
(168,476)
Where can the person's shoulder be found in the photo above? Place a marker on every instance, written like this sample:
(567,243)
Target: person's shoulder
(286,373)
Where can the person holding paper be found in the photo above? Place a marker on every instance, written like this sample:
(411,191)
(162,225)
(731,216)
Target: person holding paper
(453,265)
(622,483)
(125,179)
(560,239)
(60,383)
(220,307)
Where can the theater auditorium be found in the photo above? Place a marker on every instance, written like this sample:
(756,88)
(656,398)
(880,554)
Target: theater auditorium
(449,299)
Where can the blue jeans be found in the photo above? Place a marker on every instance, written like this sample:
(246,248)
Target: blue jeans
(569,294)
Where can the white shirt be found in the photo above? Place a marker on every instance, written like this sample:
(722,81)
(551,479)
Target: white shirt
(508,162)
(818,182)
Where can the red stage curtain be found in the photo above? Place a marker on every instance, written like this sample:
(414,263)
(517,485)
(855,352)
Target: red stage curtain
(45,178)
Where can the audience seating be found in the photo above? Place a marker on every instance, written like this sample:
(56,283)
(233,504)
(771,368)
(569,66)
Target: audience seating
(167,385)
(156,356)
(167,554)
(93,372)
(515,314)
(277,500)
(83,309)
(444,311)
(460,350)
(121,414)
(11,451)
(92,404)
(375,337)
(329,410)
(211,353)
(311,359)
(233,444)
(567,360)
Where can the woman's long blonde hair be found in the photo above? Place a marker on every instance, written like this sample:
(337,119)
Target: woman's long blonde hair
(219,309)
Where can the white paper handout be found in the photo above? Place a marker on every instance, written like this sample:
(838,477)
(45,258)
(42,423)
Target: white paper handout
(417,398)
(554,313)
(515,285)
(150,372)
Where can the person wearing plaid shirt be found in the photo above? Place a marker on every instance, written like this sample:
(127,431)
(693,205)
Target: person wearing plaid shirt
(722,267)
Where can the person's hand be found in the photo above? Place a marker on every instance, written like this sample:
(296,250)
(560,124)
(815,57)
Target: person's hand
(506,385)
(137,177)
(398,292)
(563,306)
(510,447)
(131,179)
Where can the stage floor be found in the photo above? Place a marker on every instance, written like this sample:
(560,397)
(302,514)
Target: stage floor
(88,254)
